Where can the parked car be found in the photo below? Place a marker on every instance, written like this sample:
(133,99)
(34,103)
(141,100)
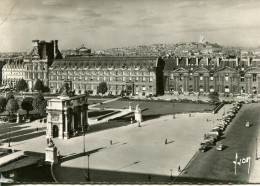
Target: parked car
(220,147)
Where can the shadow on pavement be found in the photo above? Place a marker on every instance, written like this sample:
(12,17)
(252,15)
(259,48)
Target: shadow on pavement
(80,175)
(27,137)
(107,125)
(74,156)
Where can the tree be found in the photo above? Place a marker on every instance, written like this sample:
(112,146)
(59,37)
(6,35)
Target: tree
(12,106)
(21,85)
(102,88)
(39,86)
(10,96)
(42,108)
(214,97)
(46,89)
(37,101)
(27,104)
(3,102)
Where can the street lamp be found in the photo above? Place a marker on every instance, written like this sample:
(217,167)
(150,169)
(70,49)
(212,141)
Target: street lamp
(88,168)
(256,149)
(171,174)
(9,137)
(173,110)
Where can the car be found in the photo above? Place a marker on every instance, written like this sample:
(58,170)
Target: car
(220,147)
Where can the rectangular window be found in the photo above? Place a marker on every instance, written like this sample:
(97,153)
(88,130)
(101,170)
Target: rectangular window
(123,78)
(211,78)
(151,79)
(254,77)
(130,78)
(242,78)
(143,79)
(136,79)
(144,88)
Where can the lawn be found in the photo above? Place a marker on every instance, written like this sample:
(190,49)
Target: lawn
(155,109)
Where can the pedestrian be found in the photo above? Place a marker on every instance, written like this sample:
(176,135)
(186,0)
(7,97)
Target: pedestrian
(149,178)
(37,129)
(190,114)
(179,168)
(166,141)
(111,143)
(207,120)
(139,124)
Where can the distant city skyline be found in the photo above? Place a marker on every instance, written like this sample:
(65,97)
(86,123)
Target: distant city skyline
(102,24)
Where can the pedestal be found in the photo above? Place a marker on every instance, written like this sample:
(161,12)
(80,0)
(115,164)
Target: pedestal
(138,116)
(51,155)
(66,135)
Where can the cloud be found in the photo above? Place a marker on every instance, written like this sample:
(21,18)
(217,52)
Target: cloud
(88,12)
(23,17)
(57,2)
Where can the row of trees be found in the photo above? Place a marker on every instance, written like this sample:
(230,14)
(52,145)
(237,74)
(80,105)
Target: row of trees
(11,105)
(39,86)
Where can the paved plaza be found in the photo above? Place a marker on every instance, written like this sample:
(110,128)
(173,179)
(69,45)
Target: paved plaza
(136,151)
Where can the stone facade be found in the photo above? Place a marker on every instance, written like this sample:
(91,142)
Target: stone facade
(66,116)
(136,75)
(228,76)
(36,65)
(12,72)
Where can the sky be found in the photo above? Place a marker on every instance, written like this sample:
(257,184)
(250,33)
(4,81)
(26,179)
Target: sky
(101,24)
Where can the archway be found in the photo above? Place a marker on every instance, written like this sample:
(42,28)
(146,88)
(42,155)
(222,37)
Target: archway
(180,89)
(211,89)
(55,130)
(201,89)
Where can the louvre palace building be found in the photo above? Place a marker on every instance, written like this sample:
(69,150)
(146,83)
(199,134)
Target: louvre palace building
(135,75)
(227,76)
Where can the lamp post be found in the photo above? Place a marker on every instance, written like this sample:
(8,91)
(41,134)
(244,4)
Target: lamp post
(173,110)
(256,149)
(88,168)
(9,137)
(171,174)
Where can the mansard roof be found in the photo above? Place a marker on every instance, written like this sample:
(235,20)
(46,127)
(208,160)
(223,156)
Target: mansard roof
(170,64)
(105,61)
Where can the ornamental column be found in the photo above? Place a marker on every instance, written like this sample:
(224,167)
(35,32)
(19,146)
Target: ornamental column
(66,133)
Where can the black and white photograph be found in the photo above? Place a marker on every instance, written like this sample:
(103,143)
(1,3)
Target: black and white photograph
(129,92)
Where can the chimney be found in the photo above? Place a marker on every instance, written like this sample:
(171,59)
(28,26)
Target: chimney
(197,61)
(177,61)
(207,61)
(248,61)
(187,61)
(35,43)
(236,61)
(55,47)
(217,61)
